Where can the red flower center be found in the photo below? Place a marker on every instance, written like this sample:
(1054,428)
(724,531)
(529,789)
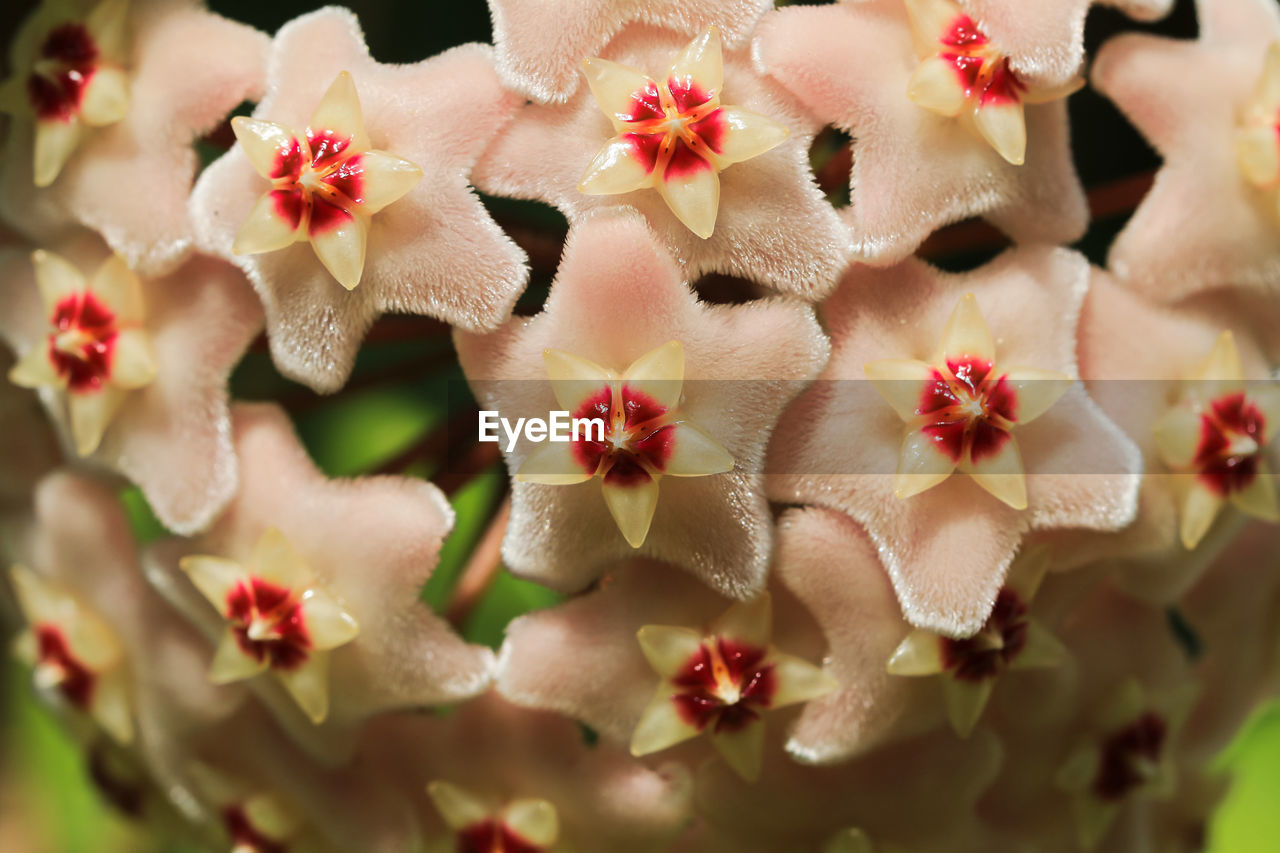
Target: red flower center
(675,129)
(318,182)
(245,836)
(65,63)
(1231,441)
(967,411)
(1129,757)
(725,684)
(983,73)
(75,681)
(988,652)
(82,341)
(268,624)
(638,436)
(491,836)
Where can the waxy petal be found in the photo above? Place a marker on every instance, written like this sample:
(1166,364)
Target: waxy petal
(694,197)
(799,680)
(743,749)
(696,454)
(534,820)
(966,335)
(1036,390)
(266,228)
(966,701)
(748,134)
(661,726)
(309,686)
(1004,126)
(618,167)
(668,648)
(553,464)
(459,807)
(919,654)
(386,179)
(268,145)
(55,142)
(659,373)
(134,360)
(342,250)
(700,66)
(106,97)
(120,288)
(56,277)
(615,88)
(1200,507)
(1001,474)
(899,381)
(632,507)
(1177,435)
(34,370)
(935,86)
(328,623)
(231,664)
(215,577)
(1258,499)
(574,378)
(339,111)
(921,465)
(90,414)
(749,622)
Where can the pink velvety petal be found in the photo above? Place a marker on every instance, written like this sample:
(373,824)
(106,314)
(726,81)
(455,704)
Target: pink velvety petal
(604,799)
(542,62)
(832,567)
(372,543)
(1225,229)
(130,181)
(947,549)
(915,171)
(774,226)
(1044,39)
(171,437)
(618,296)
(434,251)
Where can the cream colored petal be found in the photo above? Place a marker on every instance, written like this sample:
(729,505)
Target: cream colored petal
(748,622)
(339,111)
(1079,770)
(1042,650)
(694,198)
(930,21)
(265,229)
(742,750)
(901,381)
(35,369)
(272,816)
(57,279)
(966,334)
(1267,96)
(134,361)
(966,701)
(1001,474)
(1258,499)
(614,86)
(700,64)
(309,686)
(553,463)
(660,726)
(799,680)
(1199,508)
(342,249)
(386,179)
(618,167)
(1049,94)
(25,648)
(106,99)
(1267,399)
(1037,390)
(328,624)
(574,378)
(215,577)
(264,143)
(1005,129)
(108,22)
(231,664)
(694,453)
(658,373)
(1221,370)
(110,706)
(120,288)
(55,142)
(1177,435)
(275,560)
(91,414)
(921,465)
(37,598)
(668,648)
(533,820)
(936,86)
(748,134)
(919,654)
(457,806)
(632,508)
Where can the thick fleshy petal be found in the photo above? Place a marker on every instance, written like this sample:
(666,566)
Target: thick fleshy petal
(661,726)
(693,196)
(1036,390)
(339,111)
(632,506)
(231,664)
(936,86)
(1004,126)
(270,146)
(215,577)
(620,166)
(742,749)
(134,361)
(267,228)
(106,97)
(659,373)
(1001,474)
(696,454)
(56,140)
(553,464)
(90,414)
(386,179)
(56,277)
(668,648)
(966,335)
(900,381)
(921,465)
(342,250)
(748,134)
(617,89)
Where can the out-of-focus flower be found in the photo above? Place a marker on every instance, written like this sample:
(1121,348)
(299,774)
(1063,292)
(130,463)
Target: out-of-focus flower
(523,824)
(771,223)
(433,251)
(357,555)
(917,165)
(135,369)
(1227,225)
(544,65)
(108,99)
(947,548)
(617,297)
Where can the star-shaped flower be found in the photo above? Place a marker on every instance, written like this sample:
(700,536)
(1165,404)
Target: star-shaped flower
(1219,203)
(112,94)
(765,217)
(319,581)
(962,408)
(528,824)
(619,300)
(134,368)
(1011,639)
(947,548)
(642,437)
(544,65)
(919,165)
(429,248)
(1221,434)
(674,135)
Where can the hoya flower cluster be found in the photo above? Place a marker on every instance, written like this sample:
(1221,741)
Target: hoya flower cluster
(866,556)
